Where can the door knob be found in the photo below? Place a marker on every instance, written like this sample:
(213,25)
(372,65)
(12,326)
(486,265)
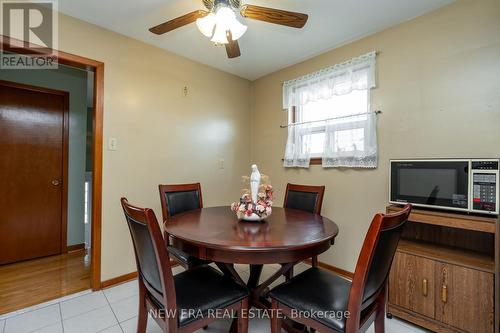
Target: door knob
(56,182)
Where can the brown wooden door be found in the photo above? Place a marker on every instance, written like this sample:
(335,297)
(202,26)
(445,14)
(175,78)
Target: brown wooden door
(411,283)
(33,160)
(464,298)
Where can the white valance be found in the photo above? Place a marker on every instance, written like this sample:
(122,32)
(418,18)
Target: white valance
(355,74)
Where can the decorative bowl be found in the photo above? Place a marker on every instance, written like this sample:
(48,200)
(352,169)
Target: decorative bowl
(254,217)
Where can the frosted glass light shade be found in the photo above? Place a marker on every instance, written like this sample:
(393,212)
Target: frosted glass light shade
(206,24)
(220,36)
(237,29)
(224,16)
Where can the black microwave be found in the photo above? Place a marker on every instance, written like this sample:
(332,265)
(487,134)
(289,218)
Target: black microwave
(469,185)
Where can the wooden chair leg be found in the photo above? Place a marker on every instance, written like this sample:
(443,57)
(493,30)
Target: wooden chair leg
(289,274)
(380,315)
(275,317)
(243,317)
(142,319)
(380,321)
(314,261)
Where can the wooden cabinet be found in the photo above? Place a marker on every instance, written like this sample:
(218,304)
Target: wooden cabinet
(456,296)
(465,298)
(411,283)
(445,276)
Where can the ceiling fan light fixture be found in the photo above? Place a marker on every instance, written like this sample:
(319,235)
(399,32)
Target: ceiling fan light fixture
(219,22)
(225,20)
(206,24)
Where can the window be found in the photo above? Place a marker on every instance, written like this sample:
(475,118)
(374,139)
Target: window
(329,116)
(340,107)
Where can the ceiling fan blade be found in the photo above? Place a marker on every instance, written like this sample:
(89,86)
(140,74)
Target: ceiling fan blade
(178,22)
(276,16)
(232,48)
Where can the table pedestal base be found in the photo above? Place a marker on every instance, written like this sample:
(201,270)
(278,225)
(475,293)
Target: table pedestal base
(258,291)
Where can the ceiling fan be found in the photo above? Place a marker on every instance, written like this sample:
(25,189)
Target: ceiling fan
(219,22)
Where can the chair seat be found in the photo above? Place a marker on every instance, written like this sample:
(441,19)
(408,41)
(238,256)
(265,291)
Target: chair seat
(203,288)
(316,290)
(185,258)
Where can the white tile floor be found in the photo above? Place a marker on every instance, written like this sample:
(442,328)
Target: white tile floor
(114,311)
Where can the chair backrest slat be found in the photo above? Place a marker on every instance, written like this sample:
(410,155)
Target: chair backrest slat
(176,199)
(383,255)
(153,263)
(148,265)
(374,262)
(304,197)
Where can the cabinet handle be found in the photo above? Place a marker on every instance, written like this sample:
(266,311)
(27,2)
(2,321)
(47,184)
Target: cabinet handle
(444,294)
(425,288)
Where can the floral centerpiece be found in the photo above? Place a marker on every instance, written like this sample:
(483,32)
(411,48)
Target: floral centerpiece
(254,206)
(245,208)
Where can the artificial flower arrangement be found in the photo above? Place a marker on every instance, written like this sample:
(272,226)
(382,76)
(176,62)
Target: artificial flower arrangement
(247,209)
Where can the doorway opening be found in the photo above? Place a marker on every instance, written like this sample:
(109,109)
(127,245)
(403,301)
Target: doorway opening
(66,259)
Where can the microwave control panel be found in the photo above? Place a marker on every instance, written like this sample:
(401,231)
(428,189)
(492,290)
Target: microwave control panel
(485,186)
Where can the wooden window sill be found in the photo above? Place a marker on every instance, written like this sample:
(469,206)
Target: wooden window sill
(314,161)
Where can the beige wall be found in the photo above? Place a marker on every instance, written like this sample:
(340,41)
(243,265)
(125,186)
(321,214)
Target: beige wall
(439,89)
(163,137)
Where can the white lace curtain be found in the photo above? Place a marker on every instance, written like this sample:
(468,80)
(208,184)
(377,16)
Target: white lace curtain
(349,142)
(298,146)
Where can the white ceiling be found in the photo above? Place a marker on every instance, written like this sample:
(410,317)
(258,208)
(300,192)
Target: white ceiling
(265,47)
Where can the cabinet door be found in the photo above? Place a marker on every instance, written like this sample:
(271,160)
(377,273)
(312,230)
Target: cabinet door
(464,298)
(411,283)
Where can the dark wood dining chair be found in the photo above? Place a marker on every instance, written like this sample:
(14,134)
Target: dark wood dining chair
(180,303)
(360,301)
(176,199)
(304,197)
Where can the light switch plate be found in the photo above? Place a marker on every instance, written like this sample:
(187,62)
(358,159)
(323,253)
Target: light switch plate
(113,144)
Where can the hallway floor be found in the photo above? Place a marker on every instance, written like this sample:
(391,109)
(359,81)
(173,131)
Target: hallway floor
(36,281)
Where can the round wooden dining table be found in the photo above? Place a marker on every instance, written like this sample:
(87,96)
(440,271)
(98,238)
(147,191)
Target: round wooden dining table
(287,237)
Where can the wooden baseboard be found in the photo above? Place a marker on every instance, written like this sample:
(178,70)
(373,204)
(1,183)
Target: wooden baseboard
(125,278)
(334,269)
(75,247)
(119,279)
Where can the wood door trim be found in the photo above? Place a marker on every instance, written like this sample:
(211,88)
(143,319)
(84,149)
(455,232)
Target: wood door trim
(65,180)
(65,151)
(97,175)
(98,68)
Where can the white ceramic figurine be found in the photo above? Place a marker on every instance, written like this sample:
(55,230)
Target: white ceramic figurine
(254,182)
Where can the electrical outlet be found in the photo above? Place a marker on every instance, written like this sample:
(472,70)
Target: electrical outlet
(113,144)
(221,163)
(185,91)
